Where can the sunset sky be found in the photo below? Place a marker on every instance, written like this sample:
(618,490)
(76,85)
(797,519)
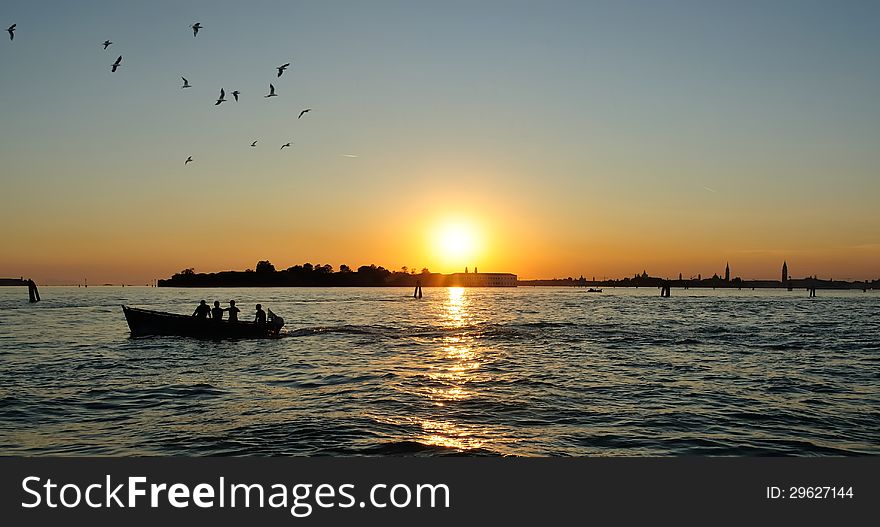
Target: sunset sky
(541,138)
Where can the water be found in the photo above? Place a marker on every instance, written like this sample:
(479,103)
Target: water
(526,372)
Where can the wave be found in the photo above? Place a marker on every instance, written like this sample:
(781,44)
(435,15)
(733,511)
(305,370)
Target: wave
(483,330)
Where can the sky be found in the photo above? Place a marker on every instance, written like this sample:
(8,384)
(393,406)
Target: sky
(548,139)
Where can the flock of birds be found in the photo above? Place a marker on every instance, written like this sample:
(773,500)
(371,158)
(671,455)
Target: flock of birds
(195,29)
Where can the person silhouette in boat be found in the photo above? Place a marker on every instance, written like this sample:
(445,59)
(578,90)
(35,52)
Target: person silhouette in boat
(217,311)
(260,316)
(202,310)
(233,311)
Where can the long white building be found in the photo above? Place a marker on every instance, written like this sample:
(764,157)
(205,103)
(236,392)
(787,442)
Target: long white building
(481,280)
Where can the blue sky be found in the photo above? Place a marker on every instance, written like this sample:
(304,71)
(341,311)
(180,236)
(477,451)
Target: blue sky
(743,131)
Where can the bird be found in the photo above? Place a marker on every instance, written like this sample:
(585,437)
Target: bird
(106,44)
(186,83)
(285,144)
(271,91)
(116,64)
(221,99)
(235,94)
(281,68)
(11,31)
(307,110)
(254,143)
(188,160)
(196,27)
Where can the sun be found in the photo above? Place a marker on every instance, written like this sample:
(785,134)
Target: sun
(456,244)
(456,241)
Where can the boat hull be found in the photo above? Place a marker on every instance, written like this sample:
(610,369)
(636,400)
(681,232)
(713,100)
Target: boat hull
(144,322)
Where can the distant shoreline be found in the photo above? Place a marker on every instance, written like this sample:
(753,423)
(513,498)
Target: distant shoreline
(438,280)
(399,279)
(838,286)
(708,283)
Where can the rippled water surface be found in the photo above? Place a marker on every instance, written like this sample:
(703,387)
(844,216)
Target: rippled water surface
(526,371)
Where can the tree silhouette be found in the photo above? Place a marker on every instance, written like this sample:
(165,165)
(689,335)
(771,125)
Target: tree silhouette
(264,266)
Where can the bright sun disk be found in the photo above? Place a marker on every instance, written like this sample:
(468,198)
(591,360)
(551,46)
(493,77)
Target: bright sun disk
(456,243)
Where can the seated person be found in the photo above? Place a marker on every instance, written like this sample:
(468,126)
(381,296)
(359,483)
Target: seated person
(202,310)
(233,311)
(260,316)
(217,311)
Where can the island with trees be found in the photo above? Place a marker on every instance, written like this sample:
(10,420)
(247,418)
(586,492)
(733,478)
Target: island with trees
(265,274)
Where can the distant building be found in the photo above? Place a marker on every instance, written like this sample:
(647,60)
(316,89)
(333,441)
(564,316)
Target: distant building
(727,273)
(481,280)
(784,272)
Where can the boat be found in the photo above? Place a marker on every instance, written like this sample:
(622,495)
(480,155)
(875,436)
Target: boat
(145,322)
(591,290)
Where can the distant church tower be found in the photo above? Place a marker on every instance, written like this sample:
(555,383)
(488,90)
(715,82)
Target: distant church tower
(784,272)
(727,272)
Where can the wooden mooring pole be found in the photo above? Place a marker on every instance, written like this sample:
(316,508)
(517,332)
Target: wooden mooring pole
(33,292)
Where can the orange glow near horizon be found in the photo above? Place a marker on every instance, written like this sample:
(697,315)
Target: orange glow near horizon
(506,237)
(520,227)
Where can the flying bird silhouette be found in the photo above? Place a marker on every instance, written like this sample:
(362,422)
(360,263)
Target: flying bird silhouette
(282,146)
(106,44)
(186,83)
(221,99)
(282,67)
(11,31)
(196,27)
(254,143)
(271,91)
(307,110)
(188,160)
(116,64)
(235,94)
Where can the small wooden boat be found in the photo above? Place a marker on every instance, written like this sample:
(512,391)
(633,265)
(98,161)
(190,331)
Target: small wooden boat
(591,290)
(144,322)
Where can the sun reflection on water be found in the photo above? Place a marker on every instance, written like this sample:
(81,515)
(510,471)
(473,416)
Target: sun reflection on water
(455,307)
(451,370)
(450,435)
